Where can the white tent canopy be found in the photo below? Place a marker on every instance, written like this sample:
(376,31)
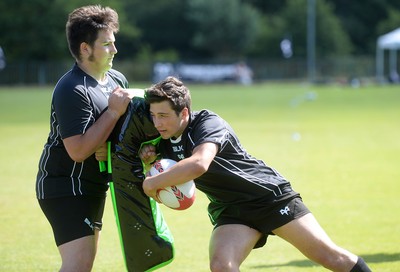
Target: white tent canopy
(391,42)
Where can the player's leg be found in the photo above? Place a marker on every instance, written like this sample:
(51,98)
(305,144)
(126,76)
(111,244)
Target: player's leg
(78,255)
(230,245)
(76,224)
(307,235)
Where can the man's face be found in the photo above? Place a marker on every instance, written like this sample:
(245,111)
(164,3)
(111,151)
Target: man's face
(102,53)
(166,121)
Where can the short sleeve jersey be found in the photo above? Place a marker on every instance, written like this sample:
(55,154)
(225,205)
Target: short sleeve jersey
(78,101)
(234,177)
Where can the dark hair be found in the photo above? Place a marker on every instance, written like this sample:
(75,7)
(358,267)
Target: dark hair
(84,23)
(171,89)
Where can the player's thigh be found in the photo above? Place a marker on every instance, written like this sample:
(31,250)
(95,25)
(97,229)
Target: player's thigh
(232,242)
(79,254)
(306,234)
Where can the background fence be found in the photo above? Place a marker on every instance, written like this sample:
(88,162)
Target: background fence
(336,69)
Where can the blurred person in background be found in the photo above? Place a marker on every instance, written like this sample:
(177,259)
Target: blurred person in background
(2,59)
(244,73)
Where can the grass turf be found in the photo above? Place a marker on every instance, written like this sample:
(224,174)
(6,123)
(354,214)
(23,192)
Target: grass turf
(338,146)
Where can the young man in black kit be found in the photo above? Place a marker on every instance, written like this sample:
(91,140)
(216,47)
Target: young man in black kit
(249,200)
(86,105)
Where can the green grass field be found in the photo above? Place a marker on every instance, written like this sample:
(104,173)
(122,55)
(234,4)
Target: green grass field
(339,146)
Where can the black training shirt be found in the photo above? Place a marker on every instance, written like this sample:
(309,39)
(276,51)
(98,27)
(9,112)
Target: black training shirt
(234,176)
(78,101)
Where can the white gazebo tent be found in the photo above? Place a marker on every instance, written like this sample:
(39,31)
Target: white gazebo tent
(391,42)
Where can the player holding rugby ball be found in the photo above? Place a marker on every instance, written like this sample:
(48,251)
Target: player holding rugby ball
(249,200)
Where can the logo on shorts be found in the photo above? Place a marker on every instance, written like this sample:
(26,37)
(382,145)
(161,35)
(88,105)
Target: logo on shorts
(286,211)
(90,224)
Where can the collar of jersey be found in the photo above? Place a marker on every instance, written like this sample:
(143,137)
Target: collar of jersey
(177,140)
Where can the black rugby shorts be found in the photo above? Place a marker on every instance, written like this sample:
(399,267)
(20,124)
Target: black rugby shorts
(264,218)
(73,217)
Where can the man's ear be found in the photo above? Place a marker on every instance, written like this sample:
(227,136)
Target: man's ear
(85,49)
(185,112)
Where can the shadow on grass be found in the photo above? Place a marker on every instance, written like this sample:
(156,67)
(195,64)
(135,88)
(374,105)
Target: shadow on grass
(369,258)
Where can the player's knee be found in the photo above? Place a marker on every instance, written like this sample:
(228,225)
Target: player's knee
(84,266)
(219,265)
(336,262)
(79,265)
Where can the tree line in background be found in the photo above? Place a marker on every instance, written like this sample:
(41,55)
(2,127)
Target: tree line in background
(202,29)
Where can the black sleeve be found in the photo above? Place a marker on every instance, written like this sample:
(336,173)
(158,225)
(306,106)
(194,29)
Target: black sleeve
(208,127)
(73,110)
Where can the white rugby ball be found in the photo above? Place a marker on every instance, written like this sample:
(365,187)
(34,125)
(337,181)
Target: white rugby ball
(179,197)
